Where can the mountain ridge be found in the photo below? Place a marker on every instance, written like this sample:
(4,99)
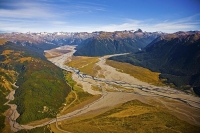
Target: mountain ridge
(45,40)
(115,42)
(176,56)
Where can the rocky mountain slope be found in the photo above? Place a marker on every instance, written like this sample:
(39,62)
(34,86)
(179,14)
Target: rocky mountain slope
(116,42)
(46,40)
(176,55)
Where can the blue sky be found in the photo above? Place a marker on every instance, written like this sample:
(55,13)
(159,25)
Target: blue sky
(99,15)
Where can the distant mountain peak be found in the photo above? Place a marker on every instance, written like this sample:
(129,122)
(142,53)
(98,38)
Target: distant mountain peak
(139,30)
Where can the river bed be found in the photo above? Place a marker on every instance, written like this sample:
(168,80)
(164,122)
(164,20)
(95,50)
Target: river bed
(134,90)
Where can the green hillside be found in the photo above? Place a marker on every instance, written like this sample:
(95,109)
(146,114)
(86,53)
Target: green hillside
(42,86)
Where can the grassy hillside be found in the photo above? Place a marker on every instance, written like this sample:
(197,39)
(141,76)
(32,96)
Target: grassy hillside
(85,64)
(133,116)
(42,86)
(140,73)
(2,41)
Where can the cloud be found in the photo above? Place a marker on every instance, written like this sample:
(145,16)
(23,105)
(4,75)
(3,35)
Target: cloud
(24,9)
(50,16)
(184,24)
(131,24)
(39,14)
(21,25)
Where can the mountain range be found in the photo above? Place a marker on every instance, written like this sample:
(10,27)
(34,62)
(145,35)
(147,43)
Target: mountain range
(22,63)
(176,56)
(44,40)
(116,42)
(110,42)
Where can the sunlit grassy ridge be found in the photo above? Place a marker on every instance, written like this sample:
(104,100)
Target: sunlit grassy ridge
(7,78)
(140,73)
(85,64)
(133,116)
(2,41)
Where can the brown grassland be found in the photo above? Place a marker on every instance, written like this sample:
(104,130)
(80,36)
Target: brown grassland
(47,55)
(133,116)
(7,83)
(55,53)
(52,55)
(85,64)
(7,52)
(140,73)
(23,59)
(7,77)
(2,41)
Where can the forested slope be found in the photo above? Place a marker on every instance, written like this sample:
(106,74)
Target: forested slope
(42,87)
(176,56)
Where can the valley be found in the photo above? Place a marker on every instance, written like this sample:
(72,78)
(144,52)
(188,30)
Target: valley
(96,66)
(176,56)
(90,89)
(26,76)
(117,88)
